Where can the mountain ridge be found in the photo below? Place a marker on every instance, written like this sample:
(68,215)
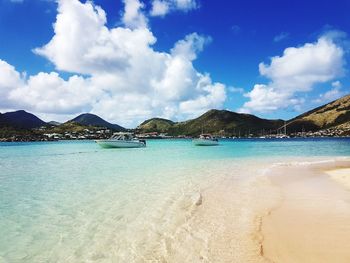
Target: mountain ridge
(216,121)
(20,120)
(89,119)
(326,116)
(333,115)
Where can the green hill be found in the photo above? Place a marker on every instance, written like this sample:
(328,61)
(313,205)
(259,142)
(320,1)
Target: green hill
(226,123)
(214,121)
(89,119)
(155,125)
(70,126)
(335,114)
(20,120)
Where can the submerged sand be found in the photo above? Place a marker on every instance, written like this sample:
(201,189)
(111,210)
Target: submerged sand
(220,222)
(292,211)
(311,223)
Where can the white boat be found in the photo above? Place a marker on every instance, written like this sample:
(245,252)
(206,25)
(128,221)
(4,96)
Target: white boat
(206,140)
(122,140)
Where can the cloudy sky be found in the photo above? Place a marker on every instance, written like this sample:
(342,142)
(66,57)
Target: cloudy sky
(129,60)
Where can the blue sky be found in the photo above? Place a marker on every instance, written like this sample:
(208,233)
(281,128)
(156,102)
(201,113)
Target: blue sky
(220,43)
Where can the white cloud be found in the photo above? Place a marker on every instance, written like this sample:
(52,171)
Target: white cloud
(83,44)
(47,92)
(44,92)
(190,46)
(186,4)
(9,78)
(133,16)
(124,79)
(160,8)
(295,72)
(163,7)
(215,94)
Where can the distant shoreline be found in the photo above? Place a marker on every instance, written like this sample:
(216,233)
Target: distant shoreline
(8,140)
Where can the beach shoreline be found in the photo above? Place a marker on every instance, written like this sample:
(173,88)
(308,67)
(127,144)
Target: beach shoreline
(310,224)
(269,216)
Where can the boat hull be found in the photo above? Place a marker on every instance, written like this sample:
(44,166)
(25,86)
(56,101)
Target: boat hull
(120,144)
(204,142)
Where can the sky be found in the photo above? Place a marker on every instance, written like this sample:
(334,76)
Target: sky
(130,60)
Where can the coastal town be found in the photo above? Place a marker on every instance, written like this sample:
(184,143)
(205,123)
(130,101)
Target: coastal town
(96,133)
(330,120)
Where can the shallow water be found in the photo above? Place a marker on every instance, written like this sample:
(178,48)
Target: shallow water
(75,202)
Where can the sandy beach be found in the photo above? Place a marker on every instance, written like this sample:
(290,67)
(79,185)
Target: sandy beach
(294,211)
(311,223)
(341,175)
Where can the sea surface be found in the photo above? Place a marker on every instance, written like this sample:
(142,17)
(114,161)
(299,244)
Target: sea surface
(71,201)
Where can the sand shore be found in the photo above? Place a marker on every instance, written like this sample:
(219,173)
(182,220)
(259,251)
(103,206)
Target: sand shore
(341,175)
(311,223)
(292,212)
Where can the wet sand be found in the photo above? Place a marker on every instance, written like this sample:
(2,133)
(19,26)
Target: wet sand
(341,175)
(311,223)
(258,212)
(220,222)
(294,212)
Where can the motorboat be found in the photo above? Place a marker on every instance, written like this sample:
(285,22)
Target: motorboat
(122,140)
(206,140)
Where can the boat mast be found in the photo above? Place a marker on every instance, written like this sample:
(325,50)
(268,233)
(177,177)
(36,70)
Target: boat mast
(285,128)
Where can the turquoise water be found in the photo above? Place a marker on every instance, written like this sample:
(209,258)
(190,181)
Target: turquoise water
(72,201)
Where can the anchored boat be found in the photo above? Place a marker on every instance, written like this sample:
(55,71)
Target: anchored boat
(206,140)
(122,140)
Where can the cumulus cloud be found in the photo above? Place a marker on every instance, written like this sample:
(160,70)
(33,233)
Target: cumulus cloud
(160,8)
(47,92)
(215,94)
(133,16)
(163,7)
(115,72)
(44,92)
(83,44)
(295,72)
(9,78)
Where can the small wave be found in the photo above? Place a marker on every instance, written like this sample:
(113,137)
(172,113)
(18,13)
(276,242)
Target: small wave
(297,163)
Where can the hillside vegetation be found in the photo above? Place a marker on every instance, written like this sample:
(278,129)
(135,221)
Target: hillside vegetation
(88,119)
(156,125)
(214,121)
(333,114)
(69,126)
(20,120)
